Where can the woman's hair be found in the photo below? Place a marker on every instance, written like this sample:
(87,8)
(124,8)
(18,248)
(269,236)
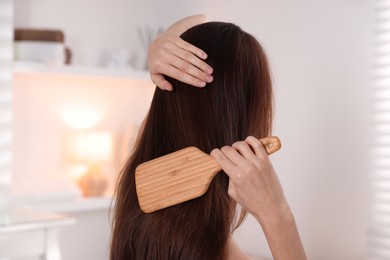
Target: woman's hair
(238,103)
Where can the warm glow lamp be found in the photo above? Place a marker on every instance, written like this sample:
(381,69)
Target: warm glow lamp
(91,148)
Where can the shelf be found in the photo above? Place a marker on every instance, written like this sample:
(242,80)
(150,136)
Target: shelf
(75,70)
(23,219)
(75,205)
(56,195)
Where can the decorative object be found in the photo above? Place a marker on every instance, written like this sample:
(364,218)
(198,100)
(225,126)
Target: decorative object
(119,59)
(146,35)
(41,45)
(91,148)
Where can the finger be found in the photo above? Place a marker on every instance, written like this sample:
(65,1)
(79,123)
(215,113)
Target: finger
(161,82)
(245,150)
(191,48)
(176,73)
(191,54)
(257,147)
(195,61)
(234,156)
(187,62)
(224,162)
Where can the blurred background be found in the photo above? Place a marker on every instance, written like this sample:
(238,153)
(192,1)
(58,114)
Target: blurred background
(73,125)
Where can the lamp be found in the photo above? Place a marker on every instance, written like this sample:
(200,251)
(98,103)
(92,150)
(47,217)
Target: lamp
(91,148)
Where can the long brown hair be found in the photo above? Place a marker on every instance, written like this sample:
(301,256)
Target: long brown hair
(236,104)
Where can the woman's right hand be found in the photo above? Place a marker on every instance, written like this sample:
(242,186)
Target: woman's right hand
(170,55)
(253,182)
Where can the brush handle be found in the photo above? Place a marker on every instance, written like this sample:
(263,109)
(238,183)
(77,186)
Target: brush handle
(271,144)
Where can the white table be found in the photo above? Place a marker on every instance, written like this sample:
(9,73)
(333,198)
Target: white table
(27,233)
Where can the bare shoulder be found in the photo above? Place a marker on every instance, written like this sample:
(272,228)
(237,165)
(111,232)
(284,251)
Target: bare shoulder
(234,252)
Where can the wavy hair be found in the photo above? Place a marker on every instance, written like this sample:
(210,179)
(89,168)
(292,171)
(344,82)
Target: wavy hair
(236,104)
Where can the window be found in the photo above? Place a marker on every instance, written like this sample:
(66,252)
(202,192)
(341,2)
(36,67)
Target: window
(6,57)
(379,229)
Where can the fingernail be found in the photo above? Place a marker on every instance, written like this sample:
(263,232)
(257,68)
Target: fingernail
(202,83)
(204,55)
(209,78)
(209,70)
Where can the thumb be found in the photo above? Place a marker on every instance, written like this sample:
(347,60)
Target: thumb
(161,82)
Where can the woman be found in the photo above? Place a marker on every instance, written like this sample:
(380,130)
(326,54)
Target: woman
(237,104)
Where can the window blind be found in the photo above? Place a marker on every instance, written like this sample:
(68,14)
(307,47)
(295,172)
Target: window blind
(6,57)
(379,219)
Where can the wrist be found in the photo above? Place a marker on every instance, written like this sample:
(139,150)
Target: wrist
(276,218)
(282,234)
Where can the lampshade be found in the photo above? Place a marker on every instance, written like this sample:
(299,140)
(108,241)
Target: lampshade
(90,146)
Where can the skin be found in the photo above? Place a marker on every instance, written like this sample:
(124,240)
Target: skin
(253,182)
(169,55)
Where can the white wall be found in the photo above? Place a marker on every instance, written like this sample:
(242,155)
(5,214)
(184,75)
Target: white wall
(320,55)
(93,28)
(42,108)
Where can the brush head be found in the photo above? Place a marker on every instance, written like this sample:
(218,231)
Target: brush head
(174,178)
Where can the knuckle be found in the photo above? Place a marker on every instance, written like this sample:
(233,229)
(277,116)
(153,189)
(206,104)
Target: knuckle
(225,149)
(250,137)
(165,45)
(180,75)
(164,55)
(188,56)
(193,82)
(200,75)
(259,164)
(155,81)
(185,66)
(185,45)
(240,144)
(157,64)
(250,170)
(218,155)
(252,140)
(258,145)
(247,168)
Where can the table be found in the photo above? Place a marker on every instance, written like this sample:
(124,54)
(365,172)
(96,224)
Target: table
(26,233)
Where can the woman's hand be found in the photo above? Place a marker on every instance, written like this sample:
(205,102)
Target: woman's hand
(170,55)
(253,182)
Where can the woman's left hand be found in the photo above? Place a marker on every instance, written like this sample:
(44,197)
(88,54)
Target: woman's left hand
(170,55)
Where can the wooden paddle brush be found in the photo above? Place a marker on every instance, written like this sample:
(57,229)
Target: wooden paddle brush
(180,176)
